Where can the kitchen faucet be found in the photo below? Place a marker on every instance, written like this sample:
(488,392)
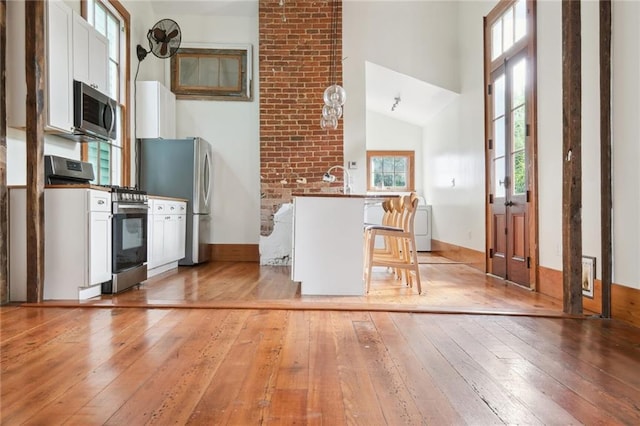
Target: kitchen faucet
(328,177)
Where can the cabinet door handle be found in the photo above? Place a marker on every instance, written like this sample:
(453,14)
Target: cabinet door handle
(100,202)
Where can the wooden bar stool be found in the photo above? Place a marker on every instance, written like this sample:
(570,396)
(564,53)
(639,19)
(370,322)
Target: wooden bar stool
(403,256)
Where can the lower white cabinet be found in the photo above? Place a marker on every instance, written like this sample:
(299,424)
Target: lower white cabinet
(77,252)
(166,234)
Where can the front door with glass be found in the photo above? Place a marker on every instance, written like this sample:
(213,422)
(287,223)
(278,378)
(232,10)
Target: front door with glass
(508,171)
(510,128)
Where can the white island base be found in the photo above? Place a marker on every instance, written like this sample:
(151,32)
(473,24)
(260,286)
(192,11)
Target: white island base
(327,244)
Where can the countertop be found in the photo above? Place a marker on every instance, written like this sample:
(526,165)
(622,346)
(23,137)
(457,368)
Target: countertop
(74,186)
(340,195)
(161,197)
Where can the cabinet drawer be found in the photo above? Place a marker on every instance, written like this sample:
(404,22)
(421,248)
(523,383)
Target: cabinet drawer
(159,207)
(99,201)
(176,207)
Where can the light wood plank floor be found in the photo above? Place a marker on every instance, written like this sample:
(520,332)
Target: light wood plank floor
(134,366)
(448,287)
(236,344)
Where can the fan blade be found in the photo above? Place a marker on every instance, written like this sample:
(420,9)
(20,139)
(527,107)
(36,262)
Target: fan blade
(172,34)
(163,49)
(159,35)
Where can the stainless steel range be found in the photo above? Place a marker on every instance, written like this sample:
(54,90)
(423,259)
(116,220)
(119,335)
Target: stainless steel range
(130,209)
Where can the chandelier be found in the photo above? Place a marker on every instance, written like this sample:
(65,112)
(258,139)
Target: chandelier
(334,95)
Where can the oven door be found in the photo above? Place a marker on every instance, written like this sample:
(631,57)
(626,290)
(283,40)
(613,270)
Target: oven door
(129,237)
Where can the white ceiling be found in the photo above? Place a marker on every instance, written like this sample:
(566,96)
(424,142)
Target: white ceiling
(167,9)
(419,101)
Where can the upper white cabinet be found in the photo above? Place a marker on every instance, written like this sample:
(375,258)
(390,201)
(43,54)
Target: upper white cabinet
(66,59)
(90,55)
(155,111)
(59,66)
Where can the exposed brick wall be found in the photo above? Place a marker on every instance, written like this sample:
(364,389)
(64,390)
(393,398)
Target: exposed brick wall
(295,61)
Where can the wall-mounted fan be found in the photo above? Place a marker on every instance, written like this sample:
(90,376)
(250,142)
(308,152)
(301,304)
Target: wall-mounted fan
(164,40)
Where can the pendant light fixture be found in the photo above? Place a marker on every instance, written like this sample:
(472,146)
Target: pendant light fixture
(334,95)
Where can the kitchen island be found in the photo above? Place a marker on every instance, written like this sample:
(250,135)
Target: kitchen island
(327,243)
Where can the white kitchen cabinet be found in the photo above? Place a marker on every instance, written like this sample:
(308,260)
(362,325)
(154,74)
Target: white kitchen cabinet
(90,55)
(100,247)
(166,234)
(155,111)
(77,243)
(74,49)
(59,66)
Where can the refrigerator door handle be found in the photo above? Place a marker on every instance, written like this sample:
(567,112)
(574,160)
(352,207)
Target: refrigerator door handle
(207,179)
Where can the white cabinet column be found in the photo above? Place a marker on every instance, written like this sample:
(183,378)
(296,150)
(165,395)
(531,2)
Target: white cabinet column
(155,111)
(166,236)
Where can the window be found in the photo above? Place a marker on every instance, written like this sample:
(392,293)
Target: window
(510,28)
(110,159)
(215,73)
(390,171)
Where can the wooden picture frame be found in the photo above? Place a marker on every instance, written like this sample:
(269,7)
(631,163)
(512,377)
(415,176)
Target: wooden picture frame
(212,72)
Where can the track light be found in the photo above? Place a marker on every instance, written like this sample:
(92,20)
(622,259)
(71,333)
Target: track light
(395,104)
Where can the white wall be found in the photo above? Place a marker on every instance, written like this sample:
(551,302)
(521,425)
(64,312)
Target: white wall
(418,39)
(549,77)
(454,139)
(232,128)
(17,153)
(384,133)
(454,143)
(625,150)
(626,142)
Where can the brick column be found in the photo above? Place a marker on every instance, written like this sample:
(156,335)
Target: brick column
(295,61)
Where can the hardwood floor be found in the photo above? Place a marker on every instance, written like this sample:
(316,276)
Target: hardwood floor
(130,366)
(448,287)
(233,343)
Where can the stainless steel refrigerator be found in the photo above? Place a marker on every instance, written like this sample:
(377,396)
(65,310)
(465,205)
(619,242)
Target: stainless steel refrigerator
(182,168)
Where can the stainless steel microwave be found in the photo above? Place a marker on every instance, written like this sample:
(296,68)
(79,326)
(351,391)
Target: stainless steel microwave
(94,113)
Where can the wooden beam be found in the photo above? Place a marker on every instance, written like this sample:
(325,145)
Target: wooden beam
(4,235)
(572,158)
(35,76)
(606,202)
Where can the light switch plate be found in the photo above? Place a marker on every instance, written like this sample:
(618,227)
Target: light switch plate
(352,165)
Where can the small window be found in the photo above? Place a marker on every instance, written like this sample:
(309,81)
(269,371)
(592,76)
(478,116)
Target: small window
(509,28)
(390,171)
(216,73)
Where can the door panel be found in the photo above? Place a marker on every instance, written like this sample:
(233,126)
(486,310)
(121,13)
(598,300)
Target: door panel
(507,152)
(499,245)
(518,236)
